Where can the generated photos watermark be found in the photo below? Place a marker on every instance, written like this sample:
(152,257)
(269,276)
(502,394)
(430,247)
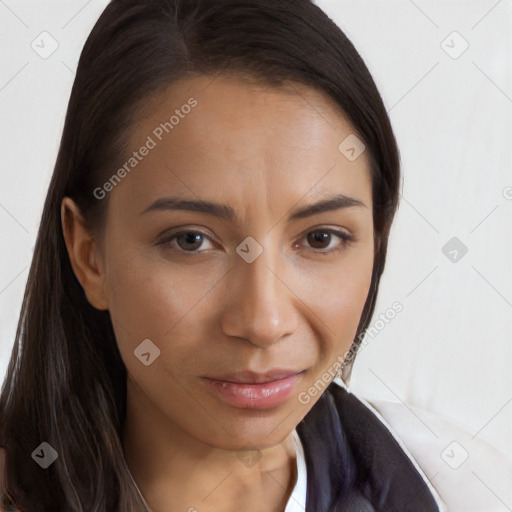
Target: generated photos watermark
(151,143)
(325,379)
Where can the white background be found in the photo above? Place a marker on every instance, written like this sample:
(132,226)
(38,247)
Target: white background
(449,350)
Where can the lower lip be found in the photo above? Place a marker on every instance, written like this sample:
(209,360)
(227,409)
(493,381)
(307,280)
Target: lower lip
(254,396)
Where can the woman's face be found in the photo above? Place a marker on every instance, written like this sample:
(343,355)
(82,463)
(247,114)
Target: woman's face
(250,285)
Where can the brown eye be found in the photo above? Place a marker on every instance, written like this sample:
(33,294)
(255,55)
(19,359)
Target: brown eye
(186,242)
(319,239)
(189,240)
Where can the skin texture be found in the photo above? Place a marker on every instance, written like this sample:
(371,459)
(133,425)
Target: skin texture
(265,152)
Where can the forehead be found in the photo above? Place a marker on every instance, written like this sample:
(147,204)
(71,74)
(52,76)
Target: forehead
(226,137)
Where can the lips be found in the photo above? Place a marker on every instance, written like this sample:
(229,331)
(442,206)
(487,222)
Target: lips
(249,377)
(252,390)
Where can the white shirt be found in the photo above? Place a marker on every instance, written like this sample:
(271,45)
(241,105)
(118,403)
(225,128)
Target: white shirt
(297,501)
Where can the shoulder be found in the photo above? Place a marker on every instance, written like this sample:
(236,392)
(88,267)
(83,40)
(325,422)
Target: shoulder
(469,474)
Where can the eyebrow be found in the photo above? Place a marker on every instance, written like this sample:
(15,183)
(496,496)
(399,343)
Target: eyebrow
(223,211)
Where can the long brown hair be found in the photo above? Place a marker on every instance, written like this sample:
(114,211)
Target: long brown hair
(66,382)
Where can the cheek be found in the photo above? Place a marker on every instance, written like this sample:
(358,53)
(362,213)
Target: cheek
(338,294)
(150,298)
(338,303)
(347,304)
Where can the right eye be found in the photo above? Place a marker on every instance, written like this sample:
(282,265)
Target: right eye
(187,241)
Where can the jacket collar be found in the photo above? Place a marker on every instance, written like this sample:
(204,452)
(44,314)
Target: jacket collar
(354,463)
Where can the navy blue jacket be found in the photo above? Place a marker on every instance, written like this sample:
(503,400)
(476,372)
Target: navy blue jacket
(354,463)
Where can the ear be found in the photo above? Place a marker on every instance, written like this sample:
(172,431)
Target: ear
(83,254)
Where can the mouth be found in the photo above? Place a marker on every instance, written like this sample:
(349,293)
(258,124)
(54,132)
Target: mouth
(250,390)
(248,377)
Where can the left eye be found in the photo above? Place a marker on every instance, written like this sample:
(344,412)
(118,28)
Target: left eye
(319,240)
(319,237)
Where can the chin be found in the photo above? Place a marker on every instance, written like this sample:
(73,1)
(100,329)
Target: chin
(259,430)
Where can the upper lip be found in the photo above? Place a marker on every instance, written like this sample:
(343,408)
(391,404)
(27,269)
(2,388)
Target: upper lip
(248,377)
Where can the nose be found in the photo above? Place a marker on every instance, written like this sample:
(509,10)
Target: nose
(260,306)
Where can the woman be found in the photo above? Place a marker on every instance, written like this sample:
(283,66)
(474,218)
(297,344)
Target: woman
(152,375)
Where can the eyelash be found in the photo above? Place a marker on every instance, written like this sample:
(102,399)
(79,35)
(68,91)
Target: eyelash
(346,240)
